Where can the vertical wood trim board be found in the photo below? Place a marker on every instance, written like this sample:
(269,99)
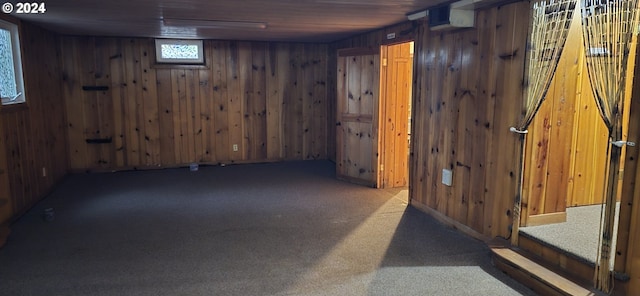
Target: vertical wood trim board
(628,247)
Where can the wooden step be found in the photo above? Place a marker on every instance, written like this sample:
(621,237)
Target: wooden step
(580,269)
(535,276)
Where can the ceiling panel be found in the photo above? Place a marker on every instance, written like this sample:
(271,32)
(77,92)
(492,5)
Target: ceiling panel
(287,20)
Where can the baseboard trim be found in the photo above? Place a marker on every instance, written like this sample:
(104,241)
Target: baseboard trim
(356,181)
(177,166)
(446,220)
(545,219)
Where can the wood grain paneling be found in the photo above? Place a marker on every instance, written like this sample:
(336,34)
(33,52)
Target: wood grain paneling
(6,208)
(269,99)
(469,86)
(467,93)
(33,154)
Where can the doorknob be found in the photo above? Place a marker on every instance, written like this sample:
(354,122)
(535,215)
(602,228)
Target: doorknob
(338,123)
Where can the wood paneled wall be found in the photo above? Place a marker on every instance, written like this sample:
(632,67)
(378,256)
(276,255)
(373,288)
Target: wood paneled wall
(269,99)
(33,134)
(6,203)
(467,93)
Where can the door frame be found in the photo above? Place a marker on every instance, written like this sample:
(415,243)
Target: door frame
(383,100)
(378,112)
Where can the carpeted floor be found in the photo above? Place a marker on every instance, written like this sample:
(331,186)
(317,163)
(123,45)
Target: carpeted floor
(271,229)
(578,235)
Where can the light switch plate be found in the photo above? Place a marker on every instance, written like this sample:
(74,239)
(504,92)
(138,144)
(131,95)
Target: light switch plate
(447,177)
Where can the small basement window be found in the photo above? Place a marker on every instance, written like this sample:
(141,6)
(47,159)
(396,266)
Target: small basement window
(11,81)
(172,51)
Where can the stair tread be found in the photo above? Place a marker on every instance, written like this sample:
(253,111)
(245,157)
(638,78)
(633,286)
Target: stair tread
(540,272)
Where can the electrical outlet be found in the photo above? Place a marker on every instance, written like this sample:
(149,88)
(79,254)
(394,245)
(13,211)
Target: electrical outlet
(44,171)
(235,147)
(447,177)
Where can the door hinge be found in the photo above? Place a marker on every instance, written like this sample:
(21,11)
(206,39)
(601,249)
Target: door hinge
(384,62)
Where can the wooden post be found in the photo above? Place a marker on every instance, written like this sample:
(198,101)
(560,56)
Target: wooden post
(602,277)
(517,207)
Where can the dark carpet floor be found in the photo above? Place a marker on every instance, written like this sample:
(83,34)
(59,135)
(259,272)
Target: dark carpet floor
(270,229)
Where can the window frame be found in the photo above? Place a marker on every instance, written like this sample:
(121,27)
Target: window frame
(14,30)
(169,61)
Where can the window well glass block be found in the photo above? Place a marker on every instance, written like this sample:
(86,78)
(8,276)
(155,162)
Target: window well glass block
(176,51)
(179,51)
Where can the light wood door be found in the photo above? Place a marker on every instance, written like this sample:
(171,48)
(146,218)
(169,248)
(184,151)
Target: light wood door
(397,73)
(357,117)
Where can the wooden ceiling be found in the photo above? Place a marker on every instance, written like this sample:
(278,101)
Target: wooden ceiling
(286,20)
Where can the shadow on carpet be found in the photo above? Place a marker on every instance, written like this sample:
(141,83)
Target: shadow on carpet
(270,229)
